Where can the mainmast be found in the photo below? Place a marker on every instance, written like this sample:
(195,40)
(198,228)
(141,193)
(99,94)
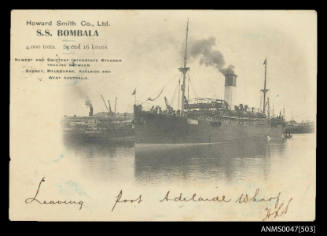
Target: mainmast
(264,90)
(268,104)
(184,70)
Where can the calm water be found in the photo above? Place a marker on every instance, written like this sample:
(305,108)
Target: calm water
(225,162)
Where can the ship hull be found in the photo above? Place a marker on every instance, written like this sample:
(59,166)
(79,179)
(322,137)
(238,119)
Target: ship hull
(112,136)
(156,129)
(97,130)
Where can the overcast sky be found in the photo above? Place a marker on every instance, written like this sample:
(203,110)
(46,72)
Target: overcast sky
(150,44)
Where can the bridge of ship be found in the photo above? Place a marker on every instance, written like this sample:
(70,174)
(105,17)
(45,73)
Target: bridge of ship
(206,103)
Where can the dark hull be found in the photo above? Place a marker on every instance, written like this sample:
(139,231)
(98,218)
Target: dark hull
(300,130)
(112,136)
(156,129)
(97,130)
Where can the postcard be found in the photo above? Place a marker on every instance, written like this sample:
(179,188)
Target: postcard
(163,115)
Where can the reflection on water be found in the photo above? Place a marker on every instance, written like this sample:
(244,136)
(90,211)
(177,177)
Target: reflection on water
(95,150)
(223,161)
(100,161)
(228,162)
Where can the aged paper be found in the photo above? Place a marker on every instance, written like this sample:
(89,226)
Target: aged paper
(162,115)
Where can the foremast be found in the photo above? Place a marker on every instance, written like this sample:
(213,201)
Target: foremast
(184,70)
(265,90)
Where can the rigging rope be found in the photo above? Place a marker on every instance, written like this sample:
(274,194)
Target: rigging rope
(174,94)
(195,93)
(153,99)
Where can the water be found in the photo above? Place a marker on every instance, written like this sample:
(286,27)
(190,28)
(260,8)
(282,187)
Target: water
(229,163)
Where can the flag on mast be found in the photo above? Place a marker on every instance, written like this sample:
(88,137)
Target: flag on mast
(134,92)
(265,62)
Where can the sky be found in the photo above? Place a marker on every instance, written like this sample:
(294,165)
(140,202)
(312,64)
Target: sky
(151,44)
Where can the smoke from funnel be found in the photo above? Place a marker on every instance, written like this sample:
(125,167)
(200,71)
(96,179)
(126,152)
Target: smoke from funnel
(209,56)
(89,104)
(228,71)
(79,92)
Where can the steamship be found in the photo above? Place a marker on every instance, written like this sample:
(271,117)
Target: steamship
(206,120)
(102,127)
